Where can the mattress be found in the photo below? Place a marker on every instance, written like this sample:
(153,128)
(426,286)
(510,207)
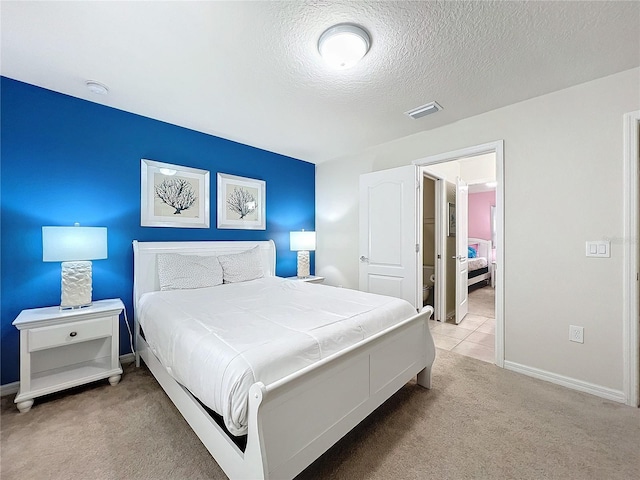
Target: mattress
(218,341)
(477,263)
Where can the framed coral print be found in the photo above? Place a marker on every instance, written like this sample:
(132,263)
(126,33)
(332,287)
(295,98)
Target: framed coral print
(173,196)
(241,203)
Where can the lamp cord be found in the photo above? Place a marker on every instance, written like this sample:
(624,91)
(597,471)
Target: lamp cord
(126,320)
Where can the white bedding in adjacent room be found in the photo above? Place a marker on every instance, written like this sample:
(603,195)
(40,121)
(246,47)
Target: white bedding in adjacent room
(218,341)
(477,263)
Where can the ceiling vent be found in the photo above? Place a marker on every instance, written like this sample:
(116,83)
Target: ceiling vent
(424,110)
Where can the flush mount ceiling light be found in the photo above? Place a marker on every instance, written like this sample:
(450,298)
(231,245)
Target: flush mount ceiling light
(96,87)
(427,109)
(342,46)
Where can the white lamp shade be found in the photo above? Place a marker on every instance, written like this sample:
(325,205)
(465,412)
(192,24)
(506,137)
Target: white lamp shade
(67,244)
(305,241)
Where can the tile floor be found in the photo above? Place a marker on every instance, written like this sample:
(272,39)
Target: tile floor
(475,335)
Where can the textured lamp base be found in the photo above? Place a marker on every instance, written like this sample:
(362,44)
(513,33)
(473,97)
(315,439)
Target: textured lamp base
(76,285)
(303,264)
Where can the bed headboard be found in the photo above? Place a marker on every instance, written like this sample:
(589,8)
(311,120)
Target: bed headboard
(484,247)
(145,266)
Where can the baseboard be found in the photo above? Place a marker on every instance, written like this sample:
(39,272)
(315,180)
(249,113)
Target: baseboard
(11,388)
(127,358)
(572,383)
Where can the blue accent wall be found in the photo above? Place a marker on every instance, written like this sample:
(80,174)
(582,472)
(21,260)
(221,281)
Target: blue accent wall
(67,160)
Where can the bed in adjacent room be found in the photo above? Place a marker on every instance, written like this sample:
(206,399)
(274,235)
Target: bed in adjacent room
(292,366)
(479,261)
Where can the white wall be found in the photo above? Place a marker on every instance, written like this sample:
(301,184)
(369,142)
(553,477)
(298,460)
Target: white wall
(563,185)
(473,170)
(447,170)
(481,168)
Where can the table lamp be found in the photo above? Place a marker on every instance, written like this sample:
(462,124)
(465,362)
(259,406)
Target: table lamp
(302,242)
(75,247)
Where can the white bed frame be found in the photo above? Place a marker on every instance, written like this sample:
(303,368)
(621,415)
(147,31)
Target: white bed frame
(484,250)
(294,420)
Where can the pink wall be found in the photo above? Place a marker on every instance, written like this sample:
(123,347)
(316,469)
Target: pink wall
(480,214)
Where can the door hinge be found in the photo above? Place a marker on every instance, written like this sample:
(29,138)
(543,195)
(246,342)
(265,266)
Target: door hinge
(417,248)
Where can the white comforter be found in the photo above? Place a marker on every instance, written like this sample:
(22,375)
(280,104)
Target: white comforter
(218,341)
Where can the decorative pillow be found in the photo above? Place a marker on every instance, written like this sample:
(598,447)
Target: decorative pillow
(179,272)
(473,253)
(241,267)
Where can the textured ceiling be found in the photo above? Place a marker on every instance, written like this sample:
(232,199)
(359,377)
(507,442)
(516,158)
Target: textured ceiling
(250,71)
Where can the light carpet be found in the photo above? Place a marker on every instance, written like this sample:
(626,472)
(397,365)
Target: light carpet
(478,422)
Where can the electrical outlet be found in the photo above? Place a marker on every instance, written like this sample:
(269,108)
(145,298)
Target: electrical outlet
(576,334)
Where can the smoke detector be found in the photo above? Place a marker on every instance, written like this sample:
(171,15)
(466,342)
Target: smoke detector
(424,110)
(96,87)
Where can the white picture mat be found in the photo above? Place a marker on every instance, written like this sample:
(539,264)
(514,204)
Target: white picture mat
(154,213)
(256,219)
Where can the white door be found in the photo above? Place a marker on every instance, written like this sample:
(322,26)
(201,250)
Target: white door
(462,235)
(389,248)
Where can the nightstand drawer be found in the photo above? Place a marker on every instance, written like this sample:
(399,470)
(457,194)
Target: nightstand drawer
(73,332)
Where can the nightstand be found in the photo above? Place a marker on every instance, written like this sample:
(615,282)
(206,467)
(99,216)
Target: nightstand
(309,279)
(61,349)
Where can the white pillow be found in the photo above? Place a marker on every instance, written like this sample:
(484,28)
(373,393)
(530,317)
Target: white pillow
(178,272)
(241,267)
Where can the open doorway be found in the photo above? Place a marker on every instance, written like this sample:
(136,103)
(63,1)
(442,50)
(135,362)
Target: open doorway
(466,260)
(430,257)
(470,330)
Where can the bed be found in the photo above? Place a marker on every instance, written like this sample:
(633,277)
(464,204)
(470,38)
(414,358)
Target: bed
(480,267)
(293,410)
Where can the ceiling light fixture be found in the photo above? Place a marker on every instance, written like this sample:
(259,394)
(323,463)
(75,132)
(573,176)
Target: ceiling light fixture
(96,87)
(342,46)
(427,109)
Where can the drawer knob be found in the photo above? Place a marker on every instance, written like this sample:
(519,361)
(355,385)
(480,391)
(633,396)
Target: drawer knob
(73,334)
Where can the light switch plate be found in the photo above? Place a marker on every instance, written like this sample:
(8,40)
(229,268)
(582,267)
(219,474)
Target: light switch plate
(599,248)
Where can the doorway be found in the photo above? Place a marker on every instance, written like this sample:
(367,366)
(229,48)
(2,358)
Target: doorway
(480,327)
(466,324)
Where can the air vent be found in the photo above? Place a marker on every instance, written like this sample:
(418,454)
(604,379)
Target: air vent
(424,110)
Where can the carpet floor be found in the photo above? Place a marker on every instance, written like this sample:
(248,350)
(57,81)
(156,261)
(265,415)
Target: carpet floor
(478,422)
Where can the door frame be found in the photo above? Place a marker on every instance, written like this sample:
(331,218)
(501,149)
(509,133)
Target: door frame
(631,267)
(440,307)
(496,147)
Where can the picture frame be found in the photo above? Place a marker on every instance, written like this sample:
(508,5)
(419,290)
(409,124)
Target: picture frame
(173,195)
(241,202)
(451,220)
